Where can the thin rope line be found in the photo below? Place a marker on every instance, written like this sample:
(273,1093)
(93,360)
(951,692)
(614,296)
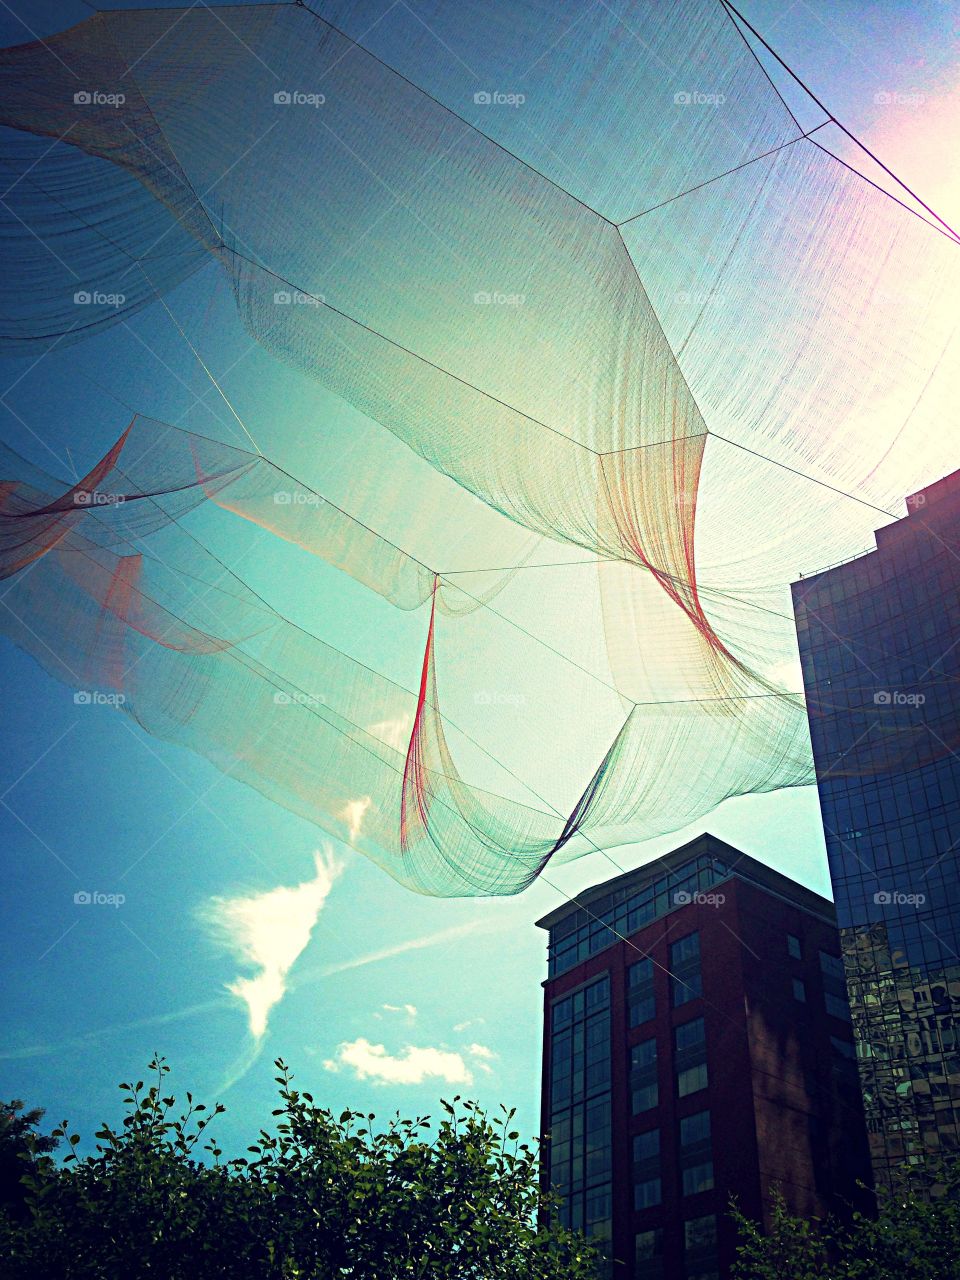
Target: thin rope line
(852,136)
(804,476)
(449,110)
(883,191)
(200,360)
(753,54)
(717,177)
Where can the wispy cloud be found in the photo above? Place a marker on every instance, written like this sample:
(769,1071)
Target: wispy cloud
(353,814)
(394,733)
(400,948)
(483,1055)
(470,1022)
(234,1073)
(312,977)
(267,931)
(412,1066)
(409,1009)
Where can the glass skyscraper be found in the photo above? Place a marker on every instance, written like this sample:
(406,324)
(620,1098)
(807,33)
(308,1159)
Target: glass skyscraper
(879,644)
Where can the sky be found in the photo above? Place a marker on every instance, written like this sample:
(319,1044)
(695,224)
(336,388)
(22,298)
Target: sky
(222,931)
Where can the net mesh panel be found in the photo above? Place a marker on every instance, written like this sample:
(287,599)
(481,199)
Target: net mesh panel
(624,357)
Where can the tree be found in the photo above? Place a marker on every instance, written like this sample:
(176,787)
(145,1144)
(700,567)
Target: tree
(318,1198)
(19,1142)
(914,1236)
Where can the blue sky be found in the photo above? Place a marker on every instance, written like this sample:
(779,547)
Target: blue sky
(395,999)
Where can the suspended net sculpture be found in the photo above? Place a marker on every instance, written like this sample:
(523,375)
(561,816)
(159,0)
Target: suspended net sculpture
(629,355)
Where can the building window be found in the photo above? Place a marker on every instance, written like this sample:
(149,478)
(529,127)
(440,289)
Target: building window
(599,1214)
(648,1249)
(581,933)
(700,1234)
(645,1096)
(690,1035)
(845,1048)
(644,1086)
(696,1153)
(646,1146)
(699,1177)
(686,989)
(580,1127)
(640,999)
(837,1005)
(793,946)
(690,1056)
(694,1130)
(686,981)
(647,1194)
(598,1145)
(799,990)
(692,1079)
(646,1169)
(834,986)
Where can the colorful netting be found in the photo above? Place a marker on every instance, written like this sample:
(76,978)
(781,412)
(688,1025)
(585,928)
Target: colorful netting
(634,357)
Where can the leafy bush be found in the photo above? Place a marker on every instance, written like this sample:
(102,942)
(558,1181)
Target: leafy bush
(914,1236)
(318,1198)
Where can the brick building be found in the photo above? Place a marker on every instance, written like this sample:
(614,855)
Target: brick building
(697,1046)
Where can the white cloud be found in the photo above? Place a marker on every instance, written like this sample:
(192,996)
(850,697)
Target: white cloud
(483,1055)
(412,1066)
(470,1022)
(393,733)
(409,1009)
(268,931)
(353,814)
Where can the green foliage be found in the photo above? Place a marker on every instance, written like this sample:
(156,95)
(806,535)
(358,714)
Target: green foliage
(318,1197)
(915,1236)
(19,1142)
